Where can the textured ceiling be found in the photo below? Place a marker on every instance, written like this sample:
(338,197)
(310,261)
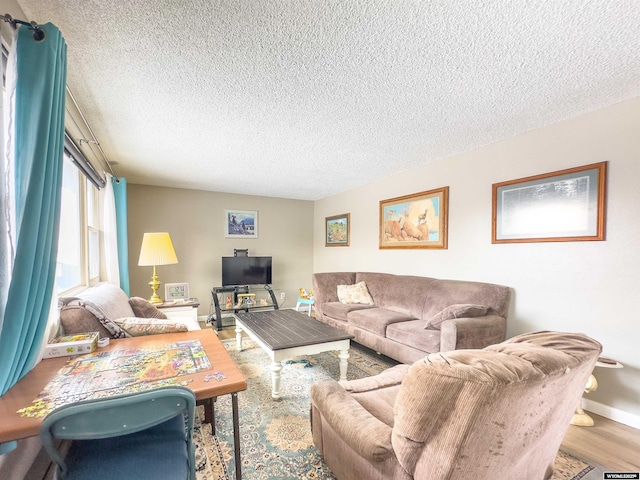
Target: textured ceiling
(308,98)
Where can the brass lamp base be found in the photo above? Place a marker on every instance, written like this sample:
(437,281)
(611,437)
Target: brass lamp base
(154,284)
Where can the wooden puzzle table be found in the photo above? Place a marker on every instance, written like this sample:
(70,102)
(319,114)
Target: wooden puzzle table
(212,373)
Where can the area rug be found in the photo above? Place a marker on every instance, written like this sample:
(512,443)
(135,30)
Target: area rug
(276,440)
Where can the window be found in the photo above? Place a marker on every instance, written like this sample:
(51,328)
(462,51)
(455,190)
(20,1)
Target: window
(78,262)
(93,232)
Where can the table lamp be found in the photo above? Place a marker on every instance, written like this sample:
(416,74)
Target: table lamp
(156,249)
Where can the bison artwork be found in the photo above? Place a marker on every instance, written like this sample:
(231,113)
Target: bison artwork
(414,221)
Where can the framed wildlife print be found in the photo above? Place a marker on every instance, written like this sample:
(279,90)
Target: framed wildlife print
(563,206)
(418,220)
(240,224)
(337,230)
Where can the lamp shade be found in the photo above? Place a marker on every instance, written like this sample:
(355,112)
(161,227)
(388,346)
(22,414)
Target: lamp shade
(157,249)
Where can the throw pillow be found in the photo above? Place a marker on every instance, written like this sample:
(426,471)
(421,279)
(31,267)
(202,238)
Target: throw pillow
(137,327)
(78,316)
(358,293)
(459,310)
(143,309)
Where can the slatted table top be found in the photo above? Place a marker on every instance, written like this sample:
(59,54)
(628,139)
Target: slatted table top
(281,329)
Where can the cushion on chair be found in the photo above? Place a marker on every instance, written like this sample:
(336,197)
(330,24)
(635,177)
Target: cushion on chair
(80,316)
(516,398)
(94,311)
(159,452)
(377,394)
(143,309)
(137,327)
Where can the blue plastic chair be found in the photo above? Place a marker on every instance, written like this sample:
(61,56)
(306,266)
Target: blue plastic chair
(142,435)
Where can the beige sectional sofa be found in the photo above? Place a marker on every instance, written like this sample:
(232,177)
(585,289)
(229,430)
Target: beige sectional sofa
(413,316)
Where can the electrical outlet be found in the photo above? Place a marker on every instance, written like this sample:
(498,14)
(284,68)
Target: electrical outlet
(282,295)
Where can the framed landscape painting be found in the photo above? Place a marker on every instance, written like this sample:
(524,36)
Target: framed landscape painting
(563,206)
(240,224)
(419,220)
(337,230)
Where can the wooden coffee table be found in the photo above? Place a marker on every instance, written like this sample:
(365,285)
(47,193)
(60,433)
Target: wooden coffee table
(286,333)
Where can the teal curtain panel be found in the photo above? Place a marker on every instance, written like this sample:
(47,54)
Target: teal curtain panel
(38,149)
(120,194)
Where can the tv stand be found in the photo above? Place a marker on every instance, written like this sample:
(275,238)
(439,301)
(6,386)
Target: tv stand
(238,292)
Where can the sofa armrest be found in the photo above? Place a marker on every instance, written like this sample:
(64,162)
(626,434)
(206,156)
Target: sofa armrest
(388,378)
(325,286)
(478,332)
(365,434)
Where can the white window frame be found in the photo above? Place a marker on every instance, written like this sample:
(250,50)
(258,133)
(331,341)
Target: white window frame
(85,189)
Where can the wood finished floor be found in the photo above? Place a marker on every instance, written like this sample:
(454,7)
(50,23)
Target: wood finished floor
(613,445)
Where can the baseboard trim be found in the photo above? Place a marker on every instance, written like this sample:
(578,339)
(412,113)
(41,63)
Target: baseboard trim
(611,413)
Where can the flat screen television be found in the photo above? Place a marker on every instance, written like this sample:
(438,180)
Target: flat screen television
(246,271)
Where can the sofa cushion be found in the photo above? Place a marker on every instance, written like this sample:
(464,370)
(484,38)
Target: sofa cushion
(376,320)
(414,335)
(402,293)
(143,309)
(339,311)
(357,293)
(137,327)
(460,310)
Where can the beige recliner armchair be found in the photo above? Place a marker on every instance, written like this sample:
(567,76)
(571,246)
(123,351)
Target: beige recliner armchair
(498,413)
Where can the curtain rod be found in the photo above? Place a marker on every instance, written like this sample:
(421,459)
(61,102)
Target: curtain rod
(38,33)
(95,140)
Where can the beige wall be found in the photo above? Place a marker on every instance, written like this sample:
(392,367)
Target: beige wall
(588,287)
(195,221)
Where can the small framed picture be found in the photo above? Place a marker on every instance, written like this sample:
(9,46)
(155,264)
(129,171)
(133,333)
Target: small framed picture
(176,291)
(240,224)
(337,230)
(419,220)
(563,206)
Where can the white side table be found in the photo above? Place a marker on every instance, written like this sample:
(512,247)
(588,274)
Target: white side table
(580,417)
(186,311)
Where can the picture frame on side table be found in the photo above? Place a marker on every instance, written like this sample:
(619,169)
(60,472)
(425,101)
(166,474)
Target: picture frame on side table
(419,220)
(176,291)
(241,224)
(562,206)
(337,230)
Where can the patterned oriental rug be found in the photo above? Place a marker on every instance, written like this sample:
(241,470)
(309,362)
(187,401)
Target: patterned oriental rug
(276,440)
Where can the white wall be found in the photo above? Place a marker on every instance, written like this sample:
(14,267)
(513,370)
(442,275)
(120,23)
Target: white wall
(588,287)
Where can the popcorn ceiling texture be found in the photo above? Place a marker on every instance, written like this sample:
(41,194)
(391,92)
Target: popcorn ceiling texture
(306,98)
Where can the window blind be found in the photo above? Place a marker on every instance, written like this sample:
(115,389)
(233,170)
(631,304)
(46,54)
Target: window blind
(81,162)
